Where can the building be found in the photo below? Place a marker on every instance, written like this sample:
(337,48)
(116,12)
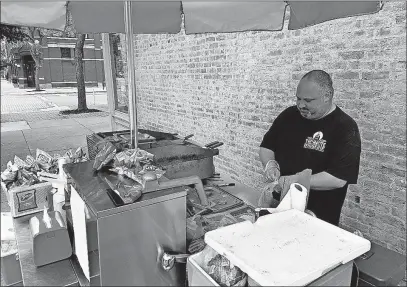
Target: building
(58,69)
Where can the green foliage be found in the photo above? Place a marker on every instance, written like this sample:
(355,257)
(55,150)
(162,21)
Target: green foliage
(13,34)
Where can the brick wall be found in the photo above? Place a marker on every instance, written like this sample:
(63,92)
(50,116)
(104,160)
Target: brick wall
(230,87)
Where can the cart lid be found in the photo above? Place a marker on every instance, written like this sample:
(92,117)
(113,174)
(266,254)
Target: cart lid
(286,249)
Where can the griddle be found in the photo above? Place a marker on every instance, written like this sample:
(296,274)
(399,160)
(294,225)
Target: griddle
(221,199)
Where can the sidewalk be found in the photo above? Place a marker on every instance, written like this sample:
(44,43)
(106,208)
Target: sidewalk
(50,91)
(26,104)
(53,136)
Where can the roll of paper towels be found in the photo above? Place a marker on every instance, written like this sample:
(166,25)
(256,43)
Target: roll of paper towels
(299,196)
(285,203)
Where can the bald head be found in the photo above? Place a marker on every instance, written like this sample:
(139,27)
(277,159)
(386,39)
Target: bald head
(323,80)
(314,94)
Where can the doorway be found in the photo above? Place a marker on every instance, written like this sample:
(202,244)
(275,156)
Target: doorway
(29,70)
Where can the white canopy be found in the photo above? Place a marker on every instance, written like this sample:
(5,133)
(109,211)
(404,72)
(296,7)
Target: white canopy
(153,17)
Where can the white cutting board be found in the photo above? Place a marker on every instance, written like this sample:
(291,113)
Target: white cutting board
(290,248)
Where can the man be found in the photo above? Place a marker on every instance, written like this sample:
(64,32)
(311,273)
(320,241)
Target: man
(318,135)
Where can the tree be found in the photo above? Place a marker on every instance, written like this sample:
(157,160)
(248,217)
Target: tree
(12,34)
(36,52)
(27,35)
(80,77)
(34,36)
(35,39)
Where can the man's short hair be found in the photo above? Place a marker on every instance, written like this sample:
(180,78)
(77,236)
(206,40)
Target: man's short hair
(323,79)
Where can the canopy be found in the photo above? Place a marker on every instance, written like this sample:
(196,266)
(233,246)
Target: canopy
(152,17)
(156,17)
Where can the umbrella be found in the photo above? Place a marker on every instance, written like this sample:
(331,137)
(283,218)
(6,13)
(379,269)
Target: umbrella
(154,17)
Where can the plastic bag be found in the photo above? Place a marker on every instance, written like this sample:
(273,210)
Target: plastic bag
(195,229)
(106,154)
(266,199)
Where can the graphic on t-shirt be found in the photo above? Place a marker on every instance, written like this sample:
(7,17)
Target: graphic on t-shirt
(315,142)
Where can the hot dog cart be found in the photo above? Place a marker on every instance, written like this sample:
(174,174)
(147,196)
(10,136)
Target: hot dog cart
(145,243)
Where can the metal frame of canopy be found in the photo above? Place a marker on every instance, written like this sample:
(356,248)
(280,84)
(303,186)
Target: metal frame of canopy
(131,73)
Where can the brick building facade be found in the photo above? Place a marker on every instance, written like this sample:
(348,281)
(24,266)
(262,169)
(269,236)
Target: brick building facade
(230,87)
(58,69)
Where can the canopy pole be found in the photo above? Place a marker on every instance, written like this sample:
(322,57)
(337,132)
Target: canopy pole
(131,77)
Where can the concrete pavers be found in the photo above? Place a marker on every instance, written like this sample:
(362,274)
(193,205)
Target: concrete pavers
(53,144)
(40,124)
(14,126)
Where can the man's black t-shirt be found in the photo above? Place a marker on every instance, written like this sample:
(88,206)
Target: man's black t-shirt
(331,144)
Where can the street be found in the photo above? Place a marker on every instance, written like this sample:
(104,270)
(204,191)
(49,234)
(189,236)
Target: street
(18,101)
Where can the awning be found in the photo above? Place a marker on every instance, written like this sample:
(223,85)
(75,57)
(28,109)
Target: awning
(309,13)
(218,17)
(51,15)
(152,17)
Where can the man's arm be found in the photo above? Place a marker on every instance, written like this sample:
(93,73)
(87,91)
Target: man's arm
(344,161)
(266,155)
(326,181)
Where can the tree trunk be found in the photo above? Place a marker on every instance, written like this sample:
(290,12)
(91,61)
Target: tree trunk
(37,77)
(80,77)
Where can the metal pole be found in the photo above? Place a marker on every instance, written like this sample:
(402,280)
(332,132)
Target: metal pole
(131,72)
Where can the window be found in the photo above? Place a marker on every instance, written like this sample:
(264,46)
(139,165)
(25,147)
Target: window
(66,53)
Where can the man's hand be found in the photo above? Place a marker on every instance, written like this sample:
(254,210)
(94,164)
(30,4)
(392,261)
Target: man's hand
(272,171)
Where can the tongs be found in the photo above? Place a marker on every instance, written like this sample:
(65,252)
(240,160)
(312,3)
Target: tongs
(204,209)
(214,144)
(183,140)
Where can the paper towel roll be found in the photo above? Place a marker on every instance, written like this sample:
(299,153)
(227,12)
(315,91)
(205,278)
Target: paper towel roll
(61,162)
(285,203)
(298,196)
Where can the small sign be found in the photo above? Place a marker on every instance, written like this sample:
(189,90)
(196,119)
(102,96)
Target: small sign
(26,200)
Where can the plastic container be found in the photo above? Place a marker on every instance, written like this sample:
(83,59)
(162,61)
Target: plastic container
(340,276)
(10,263)
(196,275)
(50,243)
(381,267)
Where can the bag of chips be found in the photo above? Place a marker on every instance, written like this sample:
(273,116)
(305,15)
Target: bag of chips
(105,156)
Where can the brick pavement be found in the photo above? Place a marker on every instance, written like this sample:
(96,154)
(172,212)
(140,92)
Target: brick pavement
(30,103)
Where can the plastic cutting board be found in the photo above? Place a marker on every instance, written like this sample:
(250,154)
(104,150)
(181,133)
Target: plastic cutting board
(289,248)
